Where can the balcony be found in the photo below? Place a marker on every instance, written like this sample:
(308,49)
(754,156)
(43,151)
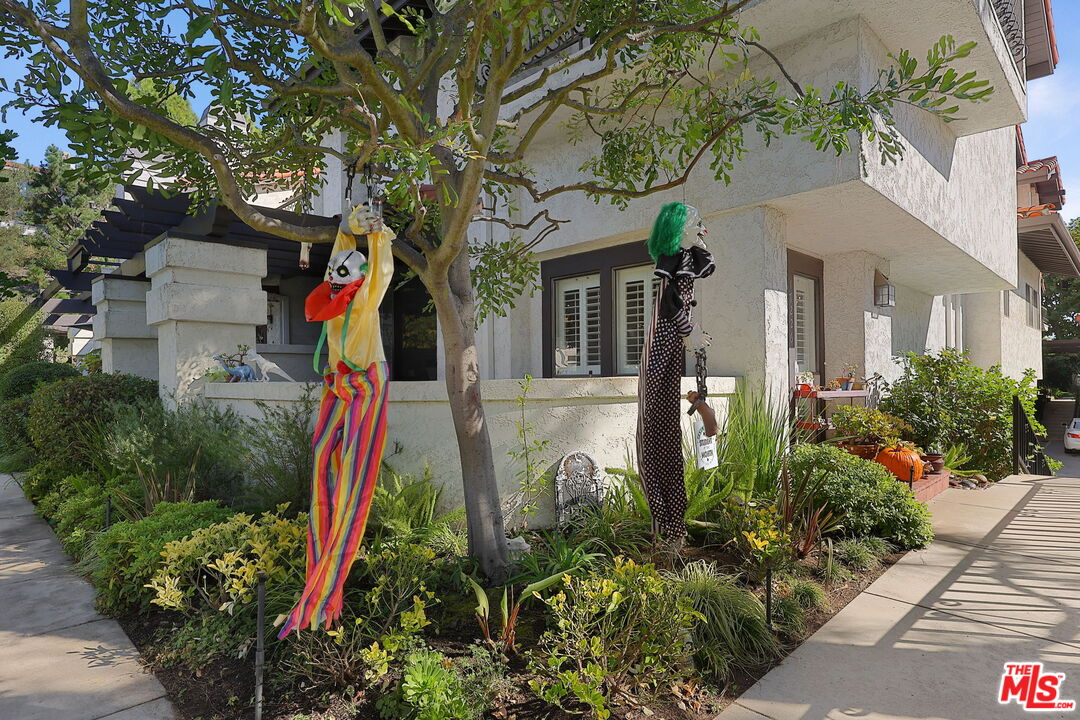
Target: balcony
(996,25)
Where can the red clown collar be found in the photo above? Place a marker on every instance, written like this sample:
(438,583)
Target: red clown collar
(321,304)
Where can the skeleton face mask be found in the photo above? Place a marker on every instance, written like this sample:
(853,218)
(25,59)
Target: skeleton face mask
(344,268)
(694,231)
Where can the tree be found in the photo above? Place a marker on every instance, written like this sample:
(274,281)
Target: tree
(47,208)
(423,92)
(1061,299)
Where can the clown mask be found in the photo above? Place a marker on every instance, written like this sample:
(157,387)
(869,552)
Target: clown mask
(345,268)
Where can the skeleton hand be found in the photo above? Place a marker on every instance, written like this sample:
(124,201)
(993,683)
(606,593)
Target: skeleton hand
(698,339)
(362,220)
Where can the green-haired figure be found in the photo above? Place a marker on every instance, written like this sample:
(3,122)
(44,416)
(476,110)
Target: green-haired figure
(677,245)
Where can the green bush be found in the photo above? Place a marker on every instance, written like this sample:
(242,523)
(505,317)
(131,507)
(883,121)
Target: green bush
(809,595)
(22,380)
(385,610)
(197,446)
(63,413)
(856,554)
(789,617)
(14,437)
(124,558)
(216,567)
(22,339)
(615,632)
(949,400)
(872,501)
(278,457)
(731,633)
(434,687)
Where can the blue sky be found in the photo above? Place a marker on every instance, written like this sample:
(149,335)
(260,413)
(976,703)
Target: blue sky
(1054,106)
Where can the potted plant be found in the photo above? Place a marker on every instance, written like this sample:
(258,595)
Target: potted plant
(846,381)
(934,457)
(865,431)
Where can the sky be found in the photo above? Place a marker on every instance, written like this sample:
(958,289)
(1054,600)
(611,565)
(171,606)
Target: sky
(1052,127)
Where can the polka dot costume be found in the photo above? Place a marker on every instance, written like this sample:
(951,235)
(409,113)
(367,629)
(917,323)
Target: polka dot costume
(659,432)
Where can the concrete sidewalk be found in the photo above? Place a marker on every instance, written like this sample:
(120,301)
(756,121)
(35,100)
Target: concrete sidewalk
(930,637)
(60,659)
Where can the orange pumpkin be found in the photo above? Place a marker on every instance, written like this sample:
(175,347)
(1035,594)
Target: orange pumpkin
(900,462)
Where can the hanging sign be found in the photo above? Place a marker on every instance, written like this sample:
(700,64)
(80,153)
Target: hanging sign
(704,446)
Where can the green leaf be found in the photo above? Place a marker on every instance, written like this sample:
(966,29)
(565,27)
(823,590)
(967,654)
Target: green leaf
(483,607)
(198,27)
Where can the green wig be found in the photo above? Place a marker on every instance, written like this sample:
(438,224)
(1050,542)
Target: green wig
(667,232)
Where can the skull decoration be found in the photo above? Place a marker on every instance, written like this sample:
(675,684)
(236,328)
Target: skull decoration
(363,219)
(694,231)
(344,268)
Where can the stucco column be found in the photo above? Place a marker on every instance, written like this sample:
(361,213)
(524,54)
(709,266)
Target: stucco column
(743,305)
(856,331)
(128,344)
(205,299)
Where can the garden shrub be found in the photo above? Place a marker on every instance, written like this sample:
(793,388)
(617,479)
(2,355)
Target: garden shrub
(757,536)
(22,339)
(615,632)
(63,413)
(197,444)
(872,500)
(22,380)
(731,633)
(808,594)
(435,687)
(789,617)
(14,438)
(124,558)
(278,457)
(381,622)
(857,554)
(217,567)
(949,400)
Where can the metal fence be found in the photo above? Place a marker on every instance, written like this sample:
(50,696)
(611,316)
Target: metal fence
(1028,456)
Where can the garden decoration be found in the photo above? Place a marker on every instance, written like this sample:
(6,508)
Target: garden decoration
(579,484)
(902,461)
(240,373)
(350,431)
(677,246)
(265,367)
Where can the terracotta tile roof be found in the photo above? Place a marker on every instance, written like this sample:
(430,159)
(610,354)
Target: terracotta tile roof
(1036,210)
(1050,164)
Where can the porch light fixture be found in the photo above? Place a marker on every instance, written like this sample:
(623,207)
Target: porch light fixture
(884,291)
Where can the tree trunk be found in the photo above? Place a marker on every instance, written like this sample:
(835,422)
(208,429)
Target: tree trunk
(455,307)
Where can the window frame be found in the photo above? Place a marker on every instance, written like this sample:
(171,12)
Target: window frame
(604,262)
(582,284)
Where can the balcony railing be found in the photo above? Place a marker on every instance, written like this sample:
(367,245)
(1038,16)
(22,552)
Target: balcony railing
(1010,15)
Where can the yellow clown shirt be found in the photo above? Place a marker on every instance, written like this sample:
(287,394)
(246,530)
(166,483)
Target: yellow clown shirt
(354,337)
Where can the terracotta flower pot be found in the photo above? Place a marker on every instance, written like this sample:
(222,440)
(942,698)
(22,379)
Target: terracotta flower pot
(936,461)
(867,451)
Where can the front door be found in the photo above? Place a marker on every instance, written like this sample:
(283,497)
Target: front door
(805,322)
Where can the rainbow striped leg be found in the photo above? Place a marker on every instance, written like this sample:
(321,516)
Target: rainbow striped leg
(334,544)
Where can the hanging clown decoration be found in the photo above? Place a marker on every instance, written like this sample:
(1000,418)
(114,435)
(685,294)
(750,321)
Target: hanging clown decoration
(677,246)
(350,432)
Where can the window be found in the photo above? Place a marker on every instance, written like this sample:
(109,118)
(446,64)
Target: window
(597,308)
(635,297)
(1005,302)
(805,324)
(577,325)
(1034,306)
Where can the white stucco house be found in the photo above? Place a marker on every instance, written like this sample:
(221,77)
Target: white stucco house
(801,238)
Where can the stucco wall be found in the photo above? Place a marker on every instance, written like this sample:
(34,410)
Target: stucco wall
(598,416)
(962,188)
(1021,345)
(994,338)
